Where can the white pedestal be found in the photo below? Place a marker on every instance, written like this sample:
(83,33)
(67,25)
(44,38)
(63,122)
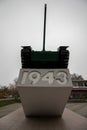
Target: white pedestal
(44,92)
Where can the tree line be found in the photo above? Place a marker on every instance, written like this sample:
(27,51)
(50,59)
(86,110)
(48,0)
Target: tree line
(9,91)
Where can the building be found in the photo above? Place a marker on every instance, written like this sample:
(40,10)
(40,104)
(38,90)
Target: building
(79,91)
(80,83)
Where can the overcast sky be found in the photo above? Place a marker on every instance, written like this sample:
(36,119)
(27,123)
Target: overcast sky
(21,23)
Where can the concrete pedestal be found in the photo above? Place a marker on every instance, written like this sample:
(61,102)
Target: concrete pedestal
(18,121)
(44,92)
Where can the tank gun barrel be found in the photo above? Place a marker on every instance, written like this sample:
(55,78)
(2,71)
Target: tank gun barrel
(44,31)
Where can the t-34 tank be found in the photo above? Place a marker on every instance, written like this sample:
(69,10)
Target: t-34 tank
(44,59)
(44,82)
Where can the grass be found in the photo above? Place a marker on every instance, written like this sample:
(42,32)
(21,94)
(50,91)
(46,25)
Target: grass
(8,102)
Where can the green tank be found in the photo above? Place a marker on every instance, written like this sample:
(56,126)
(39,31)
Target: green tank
(44,59)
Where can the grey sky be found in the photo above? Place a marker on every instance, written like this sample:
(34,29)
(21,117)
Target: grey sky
(21,23)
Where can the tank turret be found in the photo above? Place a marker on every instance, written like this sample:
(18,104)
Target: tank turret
(44,59)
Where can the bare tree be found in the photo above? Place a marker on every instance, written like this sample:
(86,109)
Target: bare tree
(75,76)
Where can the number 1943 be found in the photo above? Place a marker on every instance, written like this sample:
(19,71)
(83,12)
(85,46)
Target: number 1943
(34,77)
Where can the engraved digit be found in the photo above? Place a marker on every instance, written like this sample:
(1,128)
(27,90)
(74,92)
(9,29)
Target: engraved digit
(48,77)
(24,77)
(34,77)
(61,78)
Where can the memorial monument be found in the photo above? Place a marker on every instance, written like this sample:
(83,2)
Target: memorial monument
(44,82)
(44,85)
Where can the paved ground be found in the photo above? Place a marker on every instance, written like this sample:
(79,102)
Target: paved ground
(80,108)
(8,109)
(17,121)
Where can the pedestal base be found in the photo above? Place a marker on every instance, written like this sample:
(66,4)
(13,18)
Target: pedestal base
(18,121)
